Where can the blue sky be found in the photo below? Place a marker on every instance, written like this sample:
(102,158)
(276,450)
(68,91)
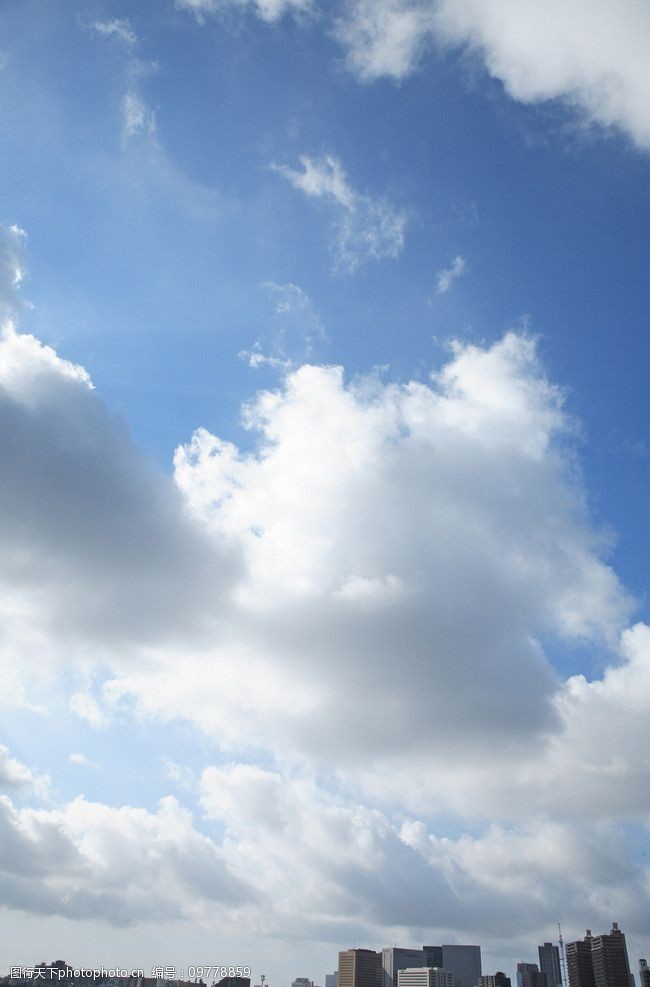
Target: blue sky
(204,200)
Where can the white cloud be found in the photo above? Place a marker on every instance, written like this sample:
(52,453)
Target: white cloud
(123,864)
(366,227)
(96,546)
(138,118)
(270,11)
(295,333)
(363,593)
(82,761)
(433,528)
(385,37)
(331,862)
(445,278)
(118,28)
(13,270)
(538,49)
(86,707)
(13,774)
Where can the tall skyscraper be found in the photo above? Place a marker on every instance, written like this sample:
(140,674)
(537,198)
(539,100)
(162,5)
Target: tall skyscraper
(529,975)
(396,958)
(549,964)
(610,960)
(644,973)
(359,968)
(463,961)
(428,976)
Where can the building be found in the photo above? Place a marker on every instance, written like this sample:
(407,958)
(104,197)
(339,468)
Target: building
(332,979)
(644,974)
(359,968)
(302,982)
(549,964)
(234,982)
(396,958)
(497,979)
(529,975)
(427,976)
(580,967)
(610,960)
(463,961)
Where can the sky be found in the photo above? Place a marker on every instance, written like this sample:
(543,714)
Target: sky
(323,424)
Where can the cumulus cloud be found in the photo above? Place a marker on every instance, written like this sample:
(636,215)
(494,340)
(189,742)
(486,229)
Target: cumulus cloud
(96,545)
(332,862)
(13,774)
(446,277)
(411,544)
(537,49)
(270,11)
(366,592)
(366,227)
(86,859)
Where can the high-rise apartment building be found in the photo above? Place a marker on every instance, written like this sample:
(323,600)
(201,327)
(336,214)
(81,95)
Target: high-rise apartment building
(359,968)
(529,975)
(549,964)
(463,961)
(580,967)
(428,976)
(610,960)
(599,961)
(396,958)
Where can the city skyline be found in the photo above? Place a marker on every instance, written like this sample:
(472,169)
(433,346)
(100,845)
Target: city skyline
(605,964)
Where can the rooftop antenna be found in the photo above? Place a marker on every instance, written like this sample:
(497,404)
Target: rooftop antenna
(562,959)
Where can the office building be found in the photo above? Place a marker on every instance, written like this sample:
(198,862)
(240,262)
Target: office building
(497,979)
(610,960)
(463,961)
(644,974)
(549,964)
(302,982)
(332,979)
(396,958)
(428,976)
(529,975)
(359,968)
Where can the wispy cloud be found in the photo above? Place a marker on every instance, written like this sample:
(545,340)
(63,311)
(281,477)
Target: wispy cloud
(446,277)
(82,761)
(119,29)
(86,707)
(366,227)
(295,331)
(267,10)
(137,117)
